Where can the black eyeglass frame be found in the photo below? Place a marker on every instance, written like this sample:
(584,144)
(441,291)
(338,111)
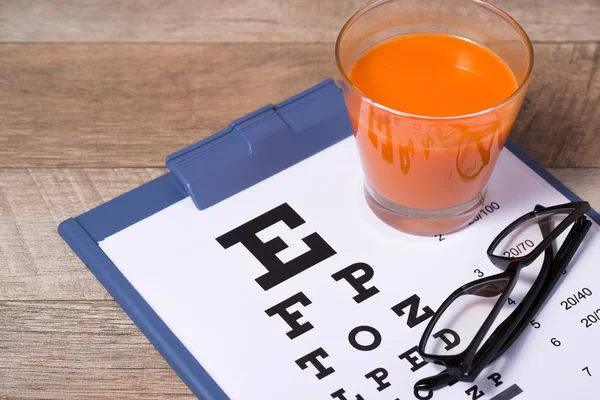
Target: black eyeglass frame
(467,365)
(557,266)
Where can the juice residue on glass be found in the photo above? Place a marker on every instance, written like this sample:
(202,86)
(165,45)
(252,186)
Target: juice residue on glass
(430,163)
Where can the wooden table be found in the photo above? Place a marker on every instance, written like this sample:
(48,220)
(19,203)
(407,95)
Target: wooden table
(94,94)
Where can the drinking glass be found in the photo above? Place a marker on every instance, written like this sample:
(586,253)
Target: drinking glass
(428,175)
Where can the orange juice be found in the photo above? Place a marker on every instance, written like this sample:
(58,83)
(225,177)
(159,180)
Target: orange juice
(434,123)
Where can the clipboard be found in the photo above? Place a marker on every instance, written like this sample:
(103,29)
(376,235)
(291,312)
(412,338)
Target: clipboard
(252,149)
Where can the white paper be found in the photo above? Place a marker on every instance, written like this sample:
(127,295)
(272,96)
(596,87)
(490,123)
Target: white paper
(209,298)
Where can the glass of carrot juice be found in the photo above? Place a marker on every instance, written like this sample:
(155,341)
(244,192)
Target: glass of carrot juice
(432,88)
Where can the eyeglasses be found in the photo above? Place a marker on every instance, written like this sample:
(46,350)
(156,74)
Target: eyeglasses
(457,335)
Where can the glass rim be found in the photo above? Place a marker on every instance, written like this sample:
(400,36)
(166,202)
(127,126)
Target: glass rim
(520,88)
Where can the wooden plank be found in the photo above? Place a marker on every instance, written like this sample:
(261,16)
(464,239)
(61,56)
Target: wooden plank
(248,21)
(75,350)
(559,124)
(585,182)
(131,105)
(35,264)
(34,261)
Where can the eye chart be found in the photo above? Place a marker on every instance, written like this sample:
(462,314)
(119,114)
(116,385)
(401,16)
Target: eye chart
(293,290)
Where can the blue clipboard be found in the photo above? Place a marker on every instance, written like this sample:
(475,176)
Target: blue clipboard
(251,149)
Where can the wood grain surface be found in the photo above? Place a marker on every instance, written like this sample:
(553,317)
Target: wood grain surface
(79,350)
(308,21)
(93,96)
(35,263)
(130,105)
